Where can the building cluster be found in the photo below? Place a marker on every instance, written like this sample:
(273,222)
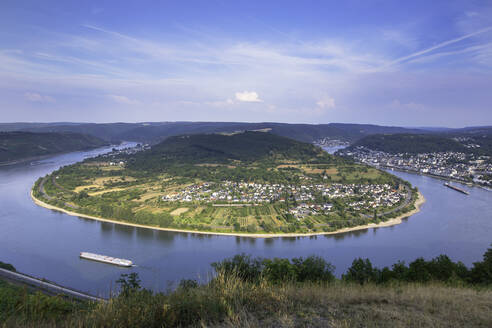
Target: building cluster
(453,165)
(328,142)
(114,155)
(312,198)
(127,151)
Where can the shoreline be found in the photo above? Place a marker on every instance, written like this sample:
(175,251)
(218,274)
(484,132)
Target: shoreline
(43,157)
(391,222)
(430,175)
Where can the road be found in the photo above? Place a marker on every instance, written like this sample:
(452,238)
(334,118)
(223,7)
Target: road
(45,194)
(47,287)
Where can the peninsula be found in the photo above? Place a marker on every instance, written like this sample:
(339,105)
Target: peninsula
(248,183)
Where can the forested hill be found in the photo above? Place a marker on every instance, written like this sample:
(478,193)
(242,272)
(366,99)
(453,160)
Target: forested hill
(410,143)
(221,148)
(154,132)
(15,146)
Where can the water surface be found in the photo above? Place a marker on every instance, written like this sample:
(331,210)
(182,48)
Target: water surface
(46,243)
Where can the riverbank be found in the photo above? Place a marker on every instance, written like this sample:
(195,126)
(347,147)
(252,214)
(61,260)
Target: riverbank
(391,222)
(439,177)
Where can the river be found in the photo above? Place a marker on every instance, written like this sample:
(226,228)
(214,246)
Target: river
(46,243)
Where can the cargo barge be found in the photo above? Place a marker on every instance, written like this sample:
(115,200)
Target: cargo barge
(456,188)
(106,259)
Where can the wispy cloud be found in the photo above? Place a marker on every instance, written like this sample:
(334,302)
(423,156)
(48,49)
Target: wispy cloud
(124,100)
(36,97)
(436,47)
(285,77)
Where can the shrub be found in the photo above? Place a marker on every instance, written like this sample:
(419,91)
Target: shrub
(418,271)
(279,270)
(362,272)
(187,284)
(7,266)
(481,273)
(242,265)
(313,268)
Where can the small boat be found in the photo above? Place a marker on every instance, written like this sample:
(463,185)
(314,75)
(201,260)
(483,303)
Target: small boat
(106,259)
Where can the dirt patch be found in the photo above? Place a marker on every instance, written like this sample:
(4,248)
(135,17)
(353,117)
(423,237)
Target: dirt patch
(106,191)
(179,211)
(149,195)
(80,188)
(215,165)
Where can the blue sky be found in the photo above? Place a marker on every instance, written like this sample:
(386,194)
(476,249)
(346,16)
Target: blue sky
(408,63)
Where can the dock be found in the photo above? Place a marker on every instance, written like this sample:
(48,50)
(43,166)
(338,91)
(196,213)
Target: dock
(456,188)
(106,259)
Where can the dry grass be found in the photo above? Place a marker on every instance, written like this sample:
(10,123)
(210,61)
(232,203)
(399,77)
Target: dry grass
(230,302)
(310,170)
(150,195)
(179,211)
(80,188)
(111,168)
(106,191)
(341,305)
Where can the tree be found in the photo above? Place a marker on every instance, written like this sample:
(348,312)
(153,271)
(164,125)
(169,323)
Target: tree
(481,273)
(129,283)
(362,272)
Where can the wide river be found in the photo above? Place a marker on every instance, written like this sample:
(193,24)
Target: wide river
(46,243)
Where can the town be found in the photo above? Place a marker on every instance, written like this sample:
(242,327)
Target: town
(451,165)
(304,199)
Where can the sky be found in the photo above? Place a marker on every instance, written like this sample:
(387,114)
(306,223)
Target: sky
(403,63)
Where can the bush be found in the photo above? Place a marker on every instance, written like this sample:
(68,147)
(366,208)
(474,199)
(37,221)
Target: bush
(481,273)
(361,272)
(243,266)
(313,268)
(7,266)
(187,284)
(279,270)
(418,271)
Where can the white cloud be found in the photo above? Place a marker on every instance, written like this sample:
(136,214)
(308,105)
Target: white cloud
(327,102)
(248,96)
(123,100)
(36,97)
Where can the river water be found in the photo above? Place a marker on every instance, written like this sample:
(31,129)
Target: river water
(46,243)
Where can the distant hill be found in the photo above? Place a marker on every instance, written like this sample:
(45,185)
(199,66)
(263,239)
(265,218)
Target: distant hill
(410,143)
(471,131)
(17,145)
(154,132)
(245,147)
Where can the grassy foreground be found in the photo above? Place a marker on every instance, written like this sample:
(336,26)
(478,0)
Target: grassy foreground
(302,292)
(235,303)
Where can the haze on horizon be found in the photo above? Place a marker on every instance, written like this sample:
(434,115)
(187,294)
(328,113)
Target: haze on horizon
(415,63)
